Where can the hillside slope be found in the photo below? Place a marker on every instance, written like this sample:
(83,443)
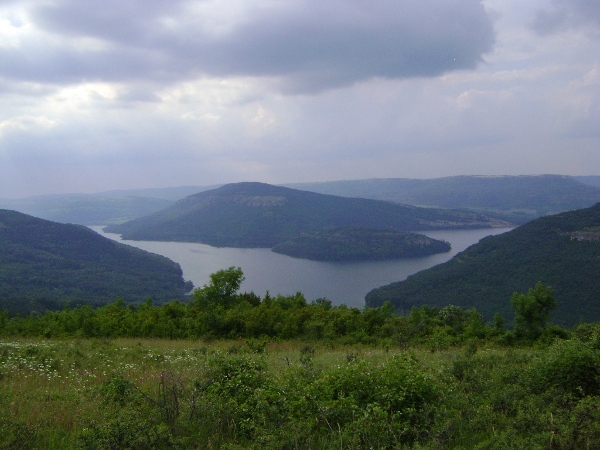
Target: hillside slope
(360,244)
(262,215)
(43,262)
(562,251)
(519,198)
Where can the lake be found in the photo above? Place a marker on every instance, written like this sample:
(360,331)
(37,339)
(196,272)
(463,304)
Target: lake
(341,282)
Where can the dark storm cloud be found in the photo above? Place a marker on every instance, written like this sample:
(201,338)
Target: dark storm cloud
(307,45)
(566,14)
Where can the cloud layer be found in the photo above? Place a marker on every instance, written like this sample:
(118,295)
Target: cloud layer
(100,95)
(308,45)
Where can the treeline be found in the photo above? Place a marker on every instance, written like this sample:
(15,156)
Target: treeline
(218,311)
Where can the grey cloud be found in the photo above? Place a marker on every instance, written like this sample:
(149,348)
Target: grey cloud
(129,21)
(408,41)
(567,14)
(56,65)
(308,45)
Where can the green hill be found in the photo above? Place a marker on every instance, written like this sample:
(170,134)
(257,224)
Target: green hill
(517,198)
(44,264)
(562,251)
(354,244)
(262,215)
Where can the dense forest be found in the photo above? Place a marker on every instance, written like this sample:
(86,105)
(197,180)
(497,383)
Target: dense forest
(262,215)
(360,244)
(561,250)
(44,264)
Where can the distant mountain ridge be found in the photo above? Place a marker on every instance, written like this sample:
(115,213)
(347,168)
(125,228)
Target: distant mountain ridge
(561,250)
(254,214)
(517,198)
(102,208)
(86,209)
(592,180)
(514,198)
(49,263)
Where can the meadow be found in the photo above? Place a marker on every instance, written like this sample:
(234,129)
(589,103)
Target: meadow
(234,394)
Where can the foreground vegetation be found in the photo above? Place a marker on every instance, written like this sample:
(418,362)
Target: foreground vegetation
(280,373)
(217,310)
(271,394)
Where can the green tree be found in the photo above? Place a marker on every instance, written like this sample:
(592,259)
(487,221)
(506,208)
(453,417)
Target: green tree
(221,290)
(532,310)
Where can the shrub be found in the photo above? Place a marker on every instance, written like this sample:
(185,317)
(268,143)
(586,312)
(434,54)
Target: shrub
(568,367)
(375,406)
(16,435)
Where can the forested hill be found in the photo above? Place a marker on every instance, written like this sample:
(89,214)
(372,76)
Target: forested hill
(519,198)
(44,263)
(262,215)
(562,251)
(360,244)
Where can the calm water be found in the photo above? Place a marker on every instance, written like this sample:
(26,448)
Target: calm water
(346,282)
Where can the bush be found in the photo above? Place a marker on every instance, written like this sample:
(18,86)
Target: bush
(568,367)
(16,435)
(380,406)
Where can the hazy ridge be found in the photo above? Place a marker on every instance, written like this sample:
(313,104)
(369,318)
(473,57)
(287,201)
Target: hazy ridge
(516,198)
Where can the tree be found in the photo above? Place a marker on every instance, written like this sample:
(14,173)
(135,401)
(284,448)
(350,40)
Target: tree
(221,290)
(532,310)
(499,323)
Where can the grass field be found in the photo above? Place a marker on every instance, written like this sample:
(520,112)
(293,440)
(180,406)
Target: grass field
(122,393)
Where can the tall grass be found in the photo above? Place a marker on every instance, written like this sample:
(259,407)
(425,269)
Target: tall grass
(67,394)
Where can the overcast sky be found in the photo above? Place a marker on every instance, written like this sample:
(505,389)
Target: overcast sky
(154,93)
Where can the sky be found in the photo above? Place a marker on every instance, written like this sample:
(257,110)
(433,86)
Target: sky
(124,94)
